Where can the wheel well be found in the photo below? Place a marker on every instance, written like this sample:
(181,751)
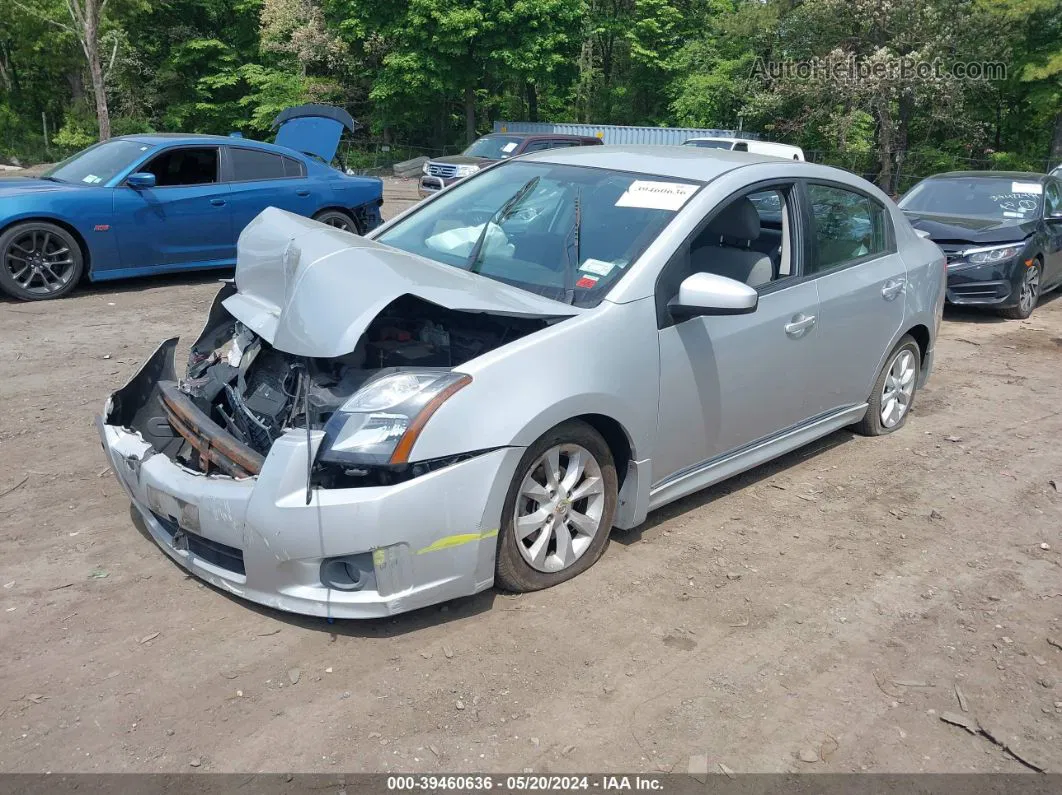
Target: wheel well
(616,439)
(86,258)
(921,336)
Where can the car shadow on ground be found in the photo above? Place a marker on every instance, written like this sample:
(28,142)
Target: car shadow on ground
(120,286)
(764,472)
(469,606)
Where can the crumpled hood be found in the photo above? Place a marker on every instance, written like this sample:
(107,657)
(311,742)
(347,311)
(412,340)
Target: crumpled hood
(312,290)
(970,228)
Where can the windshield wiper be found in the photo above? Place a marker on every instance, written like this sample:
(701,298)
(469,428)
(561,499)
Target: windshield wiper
(570,271)
(50,179)
(503,212)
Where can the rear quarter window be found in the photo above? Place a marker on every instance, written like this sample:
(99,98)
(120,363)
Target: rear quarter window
(252,164)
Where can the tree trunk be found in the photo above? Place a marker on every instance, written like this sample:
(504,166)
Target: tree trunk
(89,23)
(532,102)
(1056,140)
(470,114)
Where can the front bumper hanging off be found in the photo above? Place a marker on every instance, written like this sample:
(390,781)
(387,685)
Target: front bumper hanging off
(246,527)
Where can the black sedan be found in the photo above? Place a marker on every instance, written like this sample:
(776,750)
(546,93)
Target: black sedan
(1001,232)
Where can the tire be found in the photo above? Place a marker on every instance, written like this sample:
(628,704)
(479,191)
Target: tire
(337,219)
(39,261)
(1028,293)
(907,357)
(515,569)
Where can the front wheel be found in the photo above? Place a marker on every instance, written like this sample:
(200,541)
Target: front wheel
(894,390)
(1028,294)
(39,261)
(558,512)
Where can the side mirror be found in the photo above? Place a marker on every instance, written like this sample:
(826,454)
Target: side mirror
(141,180)
(711,294)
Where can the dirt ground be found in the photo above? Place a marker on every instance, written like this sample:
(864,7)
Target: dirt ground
(825,607)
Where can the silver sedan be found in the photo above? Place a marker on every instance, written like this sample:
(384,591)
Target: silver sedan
(481,389)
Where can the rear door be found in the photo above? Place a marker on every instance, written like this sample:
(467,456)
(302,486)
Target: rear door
(862,283)
(258,179)
(184,220)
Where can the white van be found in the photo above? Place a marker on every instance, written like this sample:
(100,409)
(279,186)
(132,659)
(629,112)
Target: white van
(745,145)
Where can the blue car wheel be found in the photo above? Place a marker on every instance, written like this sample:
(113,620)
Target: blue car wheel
(337,219)
(39,261)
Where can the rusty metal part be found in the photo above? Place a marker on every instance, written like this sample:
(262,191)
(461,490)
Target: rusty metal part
(215,445)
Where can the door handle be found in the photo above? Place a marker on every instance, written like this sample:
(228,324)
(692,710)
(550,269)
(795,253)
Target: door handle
(218,202)
(302,192)
(799,325)
(892,288)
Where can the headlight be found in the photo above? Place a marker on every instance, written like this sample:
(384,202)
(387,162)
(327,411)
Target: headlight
(382,420)
(990,254)
(467,171)
(424,168)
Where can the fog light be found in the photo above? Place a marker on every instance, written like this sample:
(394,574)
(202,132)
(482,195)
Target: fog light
(349,573)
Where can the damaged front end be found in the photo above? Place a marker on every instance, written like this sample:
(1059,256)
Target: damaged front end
(239,394)
(281,464)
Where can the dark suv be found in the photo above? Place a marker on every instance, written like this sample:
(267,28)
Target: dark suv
(443,171)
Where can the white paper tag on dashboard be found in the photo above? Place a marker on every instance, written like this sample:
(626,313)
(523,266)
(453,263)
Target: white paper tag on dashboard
(1026,187)
(649,195)
(598,267)
(509,146)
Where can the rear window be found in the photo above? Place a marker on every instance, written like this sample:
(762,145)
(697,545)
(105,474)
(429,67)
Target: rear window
(252,164)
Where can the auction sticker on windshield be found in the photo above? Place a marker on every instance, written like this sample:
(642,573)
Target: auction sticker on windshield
(1026,187)
(649,195)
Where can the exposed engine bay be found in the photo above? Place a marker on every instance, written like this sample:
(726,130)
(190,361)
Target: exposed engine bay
(255,392)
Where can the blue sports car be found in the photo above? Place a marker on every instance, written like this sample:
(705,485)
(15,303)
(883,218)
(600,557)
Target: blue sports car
(144,204)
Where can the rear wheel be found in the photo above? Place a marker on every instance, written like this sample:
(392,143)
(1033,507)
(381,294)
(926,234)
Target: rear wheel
(894,390)
(338,219)
(558,512)
(1028,294)
(39,261)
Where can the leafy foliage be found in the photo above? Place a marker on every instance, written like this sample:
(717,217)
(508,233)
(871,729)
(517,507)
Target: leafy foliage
(432,73)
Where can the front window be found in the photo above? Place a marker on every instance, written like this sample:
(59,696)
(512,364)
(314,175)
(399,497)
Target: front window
(494,147)
(999,198)
(565,232)
(98,164)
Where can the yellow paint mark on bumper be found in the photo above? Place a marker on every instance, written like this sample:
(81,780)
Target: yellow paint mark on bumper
(447,542)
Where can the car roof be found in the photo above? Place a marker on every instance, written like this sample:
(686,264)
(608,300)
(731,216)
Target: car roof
(1025,175)
(163,139)
(679,162)
(533,136)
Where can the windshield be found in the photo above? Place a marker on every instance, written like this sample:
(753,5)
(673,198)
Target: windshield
(983,197)
(710,144)
(98,164)
(532,241)
(494,147)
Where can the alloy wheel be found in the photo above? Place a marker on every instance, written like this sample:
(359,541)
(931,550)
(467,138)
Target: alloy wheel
(898,390)
(1030,289)
(39,262)
(559,507)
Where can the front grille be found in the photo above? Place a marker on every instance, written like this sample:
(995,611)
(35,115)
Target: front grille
(443,170)
(221,555)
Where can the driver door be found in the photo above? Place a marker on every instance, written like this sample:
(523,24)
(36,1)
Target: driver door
(728,381)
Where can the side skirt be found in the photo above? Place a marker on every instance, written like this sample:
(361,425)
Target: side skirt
(720,468)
